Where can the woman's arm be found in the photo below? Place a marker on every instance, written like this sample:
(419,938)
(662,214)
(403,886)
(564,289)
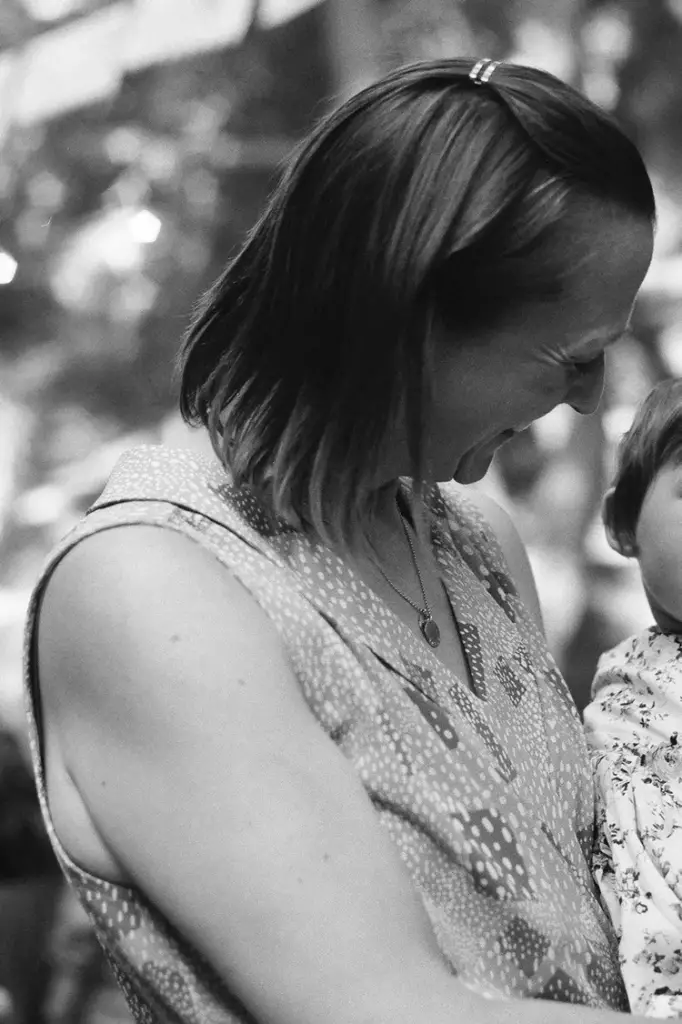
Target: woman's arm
(217,792)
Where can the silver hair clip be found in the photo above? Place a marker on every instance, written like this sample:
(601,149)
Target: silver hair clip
(482,70)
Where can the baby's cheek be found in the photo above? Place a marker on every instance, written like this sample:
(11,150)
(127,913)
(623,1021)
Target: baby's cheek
(662,576)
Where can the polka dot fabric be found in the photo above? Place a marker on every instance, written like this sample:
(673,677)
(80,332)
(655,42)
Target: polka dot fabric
(485,791)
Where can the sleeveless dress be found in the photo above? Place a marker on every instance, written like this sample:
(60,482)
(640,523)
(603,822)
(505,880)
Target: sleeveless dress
(486,793)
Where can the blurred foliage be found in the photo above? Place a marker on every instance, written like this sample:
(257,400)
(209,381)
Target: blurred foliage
(24,848)
(197,143)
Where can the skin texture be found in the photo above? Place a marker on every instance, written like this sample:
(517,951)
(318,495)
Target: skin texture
(658,540)
(657,545)
(182,757)
(538,353)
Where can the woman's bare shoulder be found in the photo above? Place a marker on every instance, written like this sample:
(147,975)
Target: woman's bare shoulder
(145,591)
(114,556)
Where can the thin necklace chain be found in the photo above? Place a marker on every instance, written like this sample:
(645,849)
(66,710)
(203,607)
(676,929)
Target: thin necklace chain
(427,624)
(425,609)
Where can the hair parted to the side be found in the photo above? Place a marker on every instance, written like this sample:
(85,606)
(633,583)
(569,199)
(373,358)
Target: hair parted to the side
(423,198)
(653,441)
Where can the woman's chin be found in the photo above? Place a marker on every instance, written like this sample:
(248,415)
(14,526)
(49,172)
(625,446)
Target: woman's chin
(475,463)
(473,466)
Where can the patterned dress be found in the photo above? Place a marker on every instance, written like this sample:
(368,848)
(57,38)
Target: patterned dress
(634,730)
(486,793)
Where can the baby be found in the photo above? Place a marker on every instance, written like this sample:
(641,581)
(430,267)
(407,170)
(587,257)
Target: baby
(634,723)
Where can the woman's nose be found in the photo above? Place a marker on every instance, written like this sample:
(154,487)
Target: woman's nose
(586,392)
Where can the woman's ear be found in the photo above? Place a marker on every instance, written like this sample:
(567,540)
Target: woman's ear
(623,546)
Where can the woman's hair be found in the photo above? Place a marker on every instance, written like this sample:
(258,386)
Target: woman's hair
(424,199)
(653,441)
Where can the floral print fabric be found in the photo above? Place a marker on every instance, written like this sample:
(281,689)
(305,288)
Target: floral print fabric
(634,730)
(485,791)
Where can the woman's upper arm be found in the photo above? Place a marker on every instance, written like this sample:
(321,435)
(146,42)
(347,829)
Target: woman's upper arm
(514,551)
(218,793)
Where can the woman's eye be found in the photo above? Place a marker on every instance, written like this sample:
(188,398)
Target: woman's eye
(587,365)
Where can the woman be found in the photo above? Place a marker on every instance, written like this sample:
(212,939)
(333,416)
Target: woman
(306,756)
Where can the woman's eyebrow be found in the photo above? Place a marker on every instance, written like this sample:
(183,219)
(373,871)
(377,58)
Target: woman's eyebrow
(609,339)
(591,348)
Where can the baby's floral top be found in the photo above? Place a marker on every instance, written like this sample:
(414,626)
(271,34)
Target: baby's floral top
(634,731)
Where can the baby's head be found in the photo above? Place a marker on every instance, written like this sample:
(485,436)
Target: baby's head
(642,511)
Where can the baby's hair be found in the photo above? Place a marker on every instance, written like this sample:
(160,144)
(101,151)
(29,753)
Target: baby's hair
(653,441)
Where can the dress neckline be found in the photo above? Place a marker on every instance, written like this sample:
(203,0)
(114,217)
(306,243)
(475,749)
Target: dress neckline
(381,628)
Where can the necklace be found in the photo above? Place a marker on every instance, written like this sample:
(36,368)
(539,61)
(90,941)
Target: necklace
(427,624)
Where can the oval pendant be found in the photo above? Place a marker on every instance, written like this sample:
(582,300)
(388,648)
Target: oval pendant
(430,630)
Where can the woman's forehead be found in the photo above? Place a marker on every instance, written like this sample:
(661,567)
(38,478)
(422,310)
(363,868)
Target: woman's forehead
(602,291)
(617,248)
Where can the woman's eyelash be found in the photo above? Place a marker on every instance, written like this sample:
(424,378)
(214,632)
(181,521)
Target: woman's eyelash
(584,365)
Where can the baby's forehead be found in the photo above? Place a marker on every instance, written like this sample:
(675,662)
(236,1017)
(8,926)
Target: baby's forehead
(669,468)
(662,486)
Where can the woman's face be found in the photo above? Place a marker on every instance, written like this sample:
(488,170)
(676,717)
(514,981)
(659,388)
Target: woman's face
(658,546)
(498,383)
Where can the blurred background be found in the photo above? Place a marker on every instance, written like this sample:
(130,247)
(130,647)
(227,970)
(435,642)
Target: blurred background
(138,141)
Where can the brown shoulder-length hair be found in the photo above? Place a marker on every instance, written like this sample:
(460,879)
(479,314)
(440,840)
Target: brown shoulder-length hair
(423,198)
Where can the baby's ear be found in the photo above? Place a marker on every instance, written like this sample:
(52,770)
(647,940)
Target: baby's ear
(623,546)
